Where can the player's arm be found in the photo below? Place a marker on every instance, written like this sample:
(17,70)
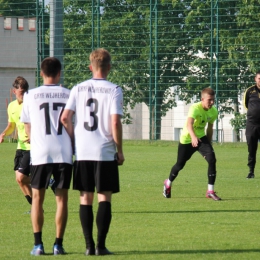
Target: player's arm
(210,132)
(117,132)
(245,100)
(8,130)
(27,128)
(66,120)
(194,139)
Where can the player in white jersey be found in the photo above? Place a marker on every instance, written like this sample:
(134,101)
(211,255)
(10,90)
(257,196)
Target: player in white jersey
(98,107)
(51,150)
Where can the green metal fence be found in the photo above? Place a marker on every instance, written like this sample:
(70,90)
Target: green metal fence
(163,52)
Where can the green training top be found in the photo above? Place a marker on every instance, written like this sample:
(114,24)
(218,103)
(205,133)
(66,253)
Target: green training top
(14,111)
(201,119)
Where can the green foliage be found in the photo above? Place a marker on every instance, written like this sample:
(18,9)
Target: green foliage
(180,44)
(17,8)
(239,121)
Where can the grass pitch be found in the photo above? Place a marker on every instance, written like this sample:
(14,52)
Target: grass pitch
(145,225)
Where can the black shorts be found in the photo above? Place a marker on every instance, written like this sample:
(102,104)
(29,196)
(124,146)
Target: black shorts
(41,174)
(102,175)
(22,161)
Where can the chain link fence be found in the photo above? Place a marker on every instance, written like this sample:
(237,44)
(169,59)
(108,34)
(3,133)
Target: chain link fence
(163,54)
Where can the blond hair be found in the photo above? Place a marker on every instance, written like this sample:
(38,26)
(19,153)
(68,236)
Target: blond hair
(100,59)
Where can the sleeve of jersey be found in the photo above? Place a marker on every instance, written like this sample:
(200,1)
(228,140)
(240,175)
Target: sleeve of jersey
(117,104)
(192,112)
(71,104)
(245,100)
(10,119)
(25,117)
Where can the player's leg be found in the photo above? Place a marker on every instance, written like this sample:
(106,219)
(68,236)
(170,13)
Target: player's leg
(40,176)
(22,171)
(60,220)
(252,144)
(107,182)
(87,220)
(185,151)
(37,218)
(206,150)
(62,175)
(84,181)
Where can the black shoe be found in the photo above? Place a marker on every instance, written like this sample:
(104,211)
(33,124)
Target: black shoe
(103,251)
(90,251)
(250,175)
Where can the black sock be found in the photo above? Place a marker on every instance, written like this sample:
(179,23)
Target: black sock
(58,241)
(103,220)
(37,238)
(86,219)
(29,199)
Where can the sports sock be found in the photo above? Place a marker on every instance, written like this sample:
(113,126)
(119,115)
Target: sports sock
(210,187)
(103,220)
(86,219)
(169,183)
(58,241)
(37,238)
(29,199)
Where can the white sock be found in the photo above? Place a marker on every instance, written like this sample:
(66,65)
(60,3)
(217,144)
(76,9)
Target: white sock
(169,183)
(210,187)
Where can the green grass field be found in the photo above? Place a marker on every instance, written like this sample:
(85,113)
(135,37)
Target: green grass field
(145,225)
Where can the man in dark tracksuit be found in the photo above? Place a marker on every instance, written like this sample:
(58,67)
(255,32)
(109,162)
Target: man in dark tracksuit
(252,104)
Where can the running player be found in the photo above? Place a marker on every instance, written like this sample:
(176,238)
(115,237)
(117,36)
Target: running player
(22,155)
(51,151)
(98,107)
(193,138)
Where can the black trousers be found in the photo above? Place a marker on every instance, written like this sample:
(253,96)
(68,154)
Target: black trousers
(252,138)
(185,151)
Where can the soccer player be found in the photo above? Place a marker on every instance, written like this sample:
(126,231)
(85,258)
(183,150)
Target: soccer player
(252,104)
(51,151)
(201,115)
(22,156)
(98,107)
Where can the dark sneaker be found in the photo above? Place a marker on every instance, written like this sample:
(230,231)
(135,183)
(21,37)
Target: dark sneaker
(90,251)
(212,195)
(166,190)
(58,250)
(103,251)
(38,250)
(250,175)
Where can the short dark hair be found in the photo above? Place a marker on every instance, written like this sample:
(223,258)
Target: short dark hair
(208,91)
(258,72)
(21,82)
(50,67)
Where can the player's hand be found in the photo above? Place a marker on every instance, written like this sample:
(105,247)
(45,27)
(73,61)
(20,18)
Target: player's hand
(2,138)
(195,141)
(120,158)
(27,141)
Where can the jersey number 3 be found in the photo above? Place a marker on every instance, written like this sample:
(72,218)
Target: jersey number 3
(93,114)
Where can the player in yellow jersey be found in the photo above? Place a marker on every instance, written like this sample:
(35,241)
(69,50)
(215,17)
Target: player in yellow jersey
(201,116)
(22,156)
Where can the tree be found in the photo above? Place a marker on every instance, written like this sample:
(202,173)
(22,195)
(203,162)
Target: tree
(18,8)
(151,56)
(238,123)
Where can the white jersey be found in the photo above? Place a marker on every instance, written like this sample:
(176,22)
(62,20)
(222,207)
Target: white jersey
(94,101)
(50,143)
